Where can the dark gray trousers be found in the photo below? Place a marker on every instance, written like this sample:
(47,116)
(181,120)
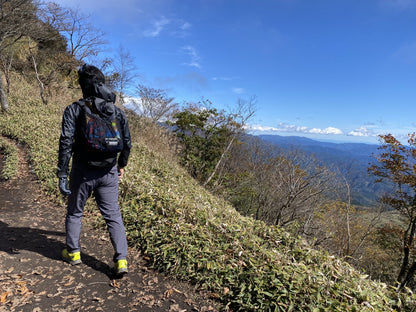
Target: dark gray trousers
(104,183)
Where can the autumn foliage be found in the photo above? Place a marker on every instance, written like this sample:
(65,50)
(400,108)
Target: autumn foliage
(397,163)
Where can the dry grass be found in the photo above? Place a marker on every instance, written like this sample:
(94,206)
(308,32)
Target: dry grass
(155,137)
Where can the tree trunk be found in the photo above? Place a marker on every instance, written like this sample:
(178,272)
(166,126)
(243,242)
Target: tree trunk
(41,85)
(409,276)
(220,160)
(406,273)
(347,252)
(3,98)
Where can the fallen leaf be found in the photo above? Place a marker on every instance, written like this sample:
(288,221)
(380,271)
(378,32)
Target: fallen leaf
(114,284)
(3,297)
(168,293)
(23,290)
(175,308)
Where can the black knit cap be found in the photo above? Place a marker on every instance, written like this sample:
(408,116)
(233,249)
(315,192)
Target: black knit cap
(88,76)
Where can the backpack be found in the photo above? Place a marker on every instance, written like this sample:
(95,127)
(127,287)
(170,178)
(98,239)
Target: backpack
(101,134)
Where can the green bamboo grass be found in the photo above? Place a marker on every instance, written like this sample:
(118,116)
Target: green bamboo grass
(11,160)
(191,234)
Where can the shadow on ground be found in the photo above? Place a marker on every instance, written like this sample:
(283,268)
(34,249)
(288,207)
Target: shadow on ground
(34,278)
(15,239)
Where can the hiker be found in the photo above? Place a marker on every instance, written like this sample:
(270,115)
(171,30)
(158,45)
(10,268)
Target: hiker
(95,165)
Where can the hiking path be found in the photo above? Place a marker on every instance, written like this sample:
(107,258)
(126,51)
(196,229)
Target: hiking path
(34,278)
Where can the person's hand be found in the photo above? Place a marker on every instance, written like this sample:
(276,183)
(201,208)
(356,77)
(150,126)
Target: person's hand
(120,172)
(63,186)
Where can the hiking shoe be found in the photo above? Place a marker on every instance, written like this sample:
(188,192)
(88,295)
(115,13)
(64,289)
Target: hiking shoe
(73,258)
(120,267)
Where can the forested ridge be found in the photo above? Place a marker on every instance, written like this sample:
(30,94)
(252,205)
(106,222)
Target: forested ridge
(353,158)
(261,228)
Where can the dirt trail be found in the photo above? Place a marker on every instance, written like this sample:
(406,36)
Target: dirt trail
(34,278)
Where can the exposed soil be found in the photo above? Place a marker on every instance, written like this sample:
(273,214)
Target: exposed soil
(34,278)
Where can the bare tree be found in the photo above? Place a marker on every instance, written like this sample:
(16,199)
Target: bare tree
(238,121)
(355,240)
(280,187)
(123,72)
(154,103)
(248,174)
(299,184)
(16,19)
(47,47)
(84,40)
(35,66)
(6,60)
(54,15)
(3,98)
(342,229)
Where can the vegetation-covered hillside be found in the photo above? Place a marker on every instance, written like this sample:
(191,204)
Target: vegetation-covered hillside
(352,159)
(181,226)
(193,235)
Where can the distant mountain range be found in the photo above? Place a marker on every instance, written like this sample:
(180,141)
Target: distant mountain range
(353,158)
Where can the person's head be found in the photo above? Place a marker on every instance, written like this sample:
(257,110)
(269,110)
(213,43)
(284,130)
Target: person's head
(92,82)
(88,77)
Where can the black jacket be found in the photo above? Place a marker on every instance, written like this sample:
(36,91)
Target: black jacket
(72,140)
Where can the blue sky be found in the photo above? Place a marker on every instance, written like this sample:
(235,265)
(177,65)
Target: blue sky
(340,70)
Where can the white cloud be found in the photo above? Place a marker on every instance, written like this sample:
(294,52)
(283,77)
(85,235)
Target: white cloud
(329,130)
(157,27)
(238,90)
(363,131)
(193,55)
(180,28)
(301,129)
(283,127)
(261,128)
(133,103)
(185,26)
(369,131)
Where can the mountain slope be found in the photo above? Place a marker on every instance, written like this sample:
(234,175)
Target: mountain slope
(352,159)
(186,231)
